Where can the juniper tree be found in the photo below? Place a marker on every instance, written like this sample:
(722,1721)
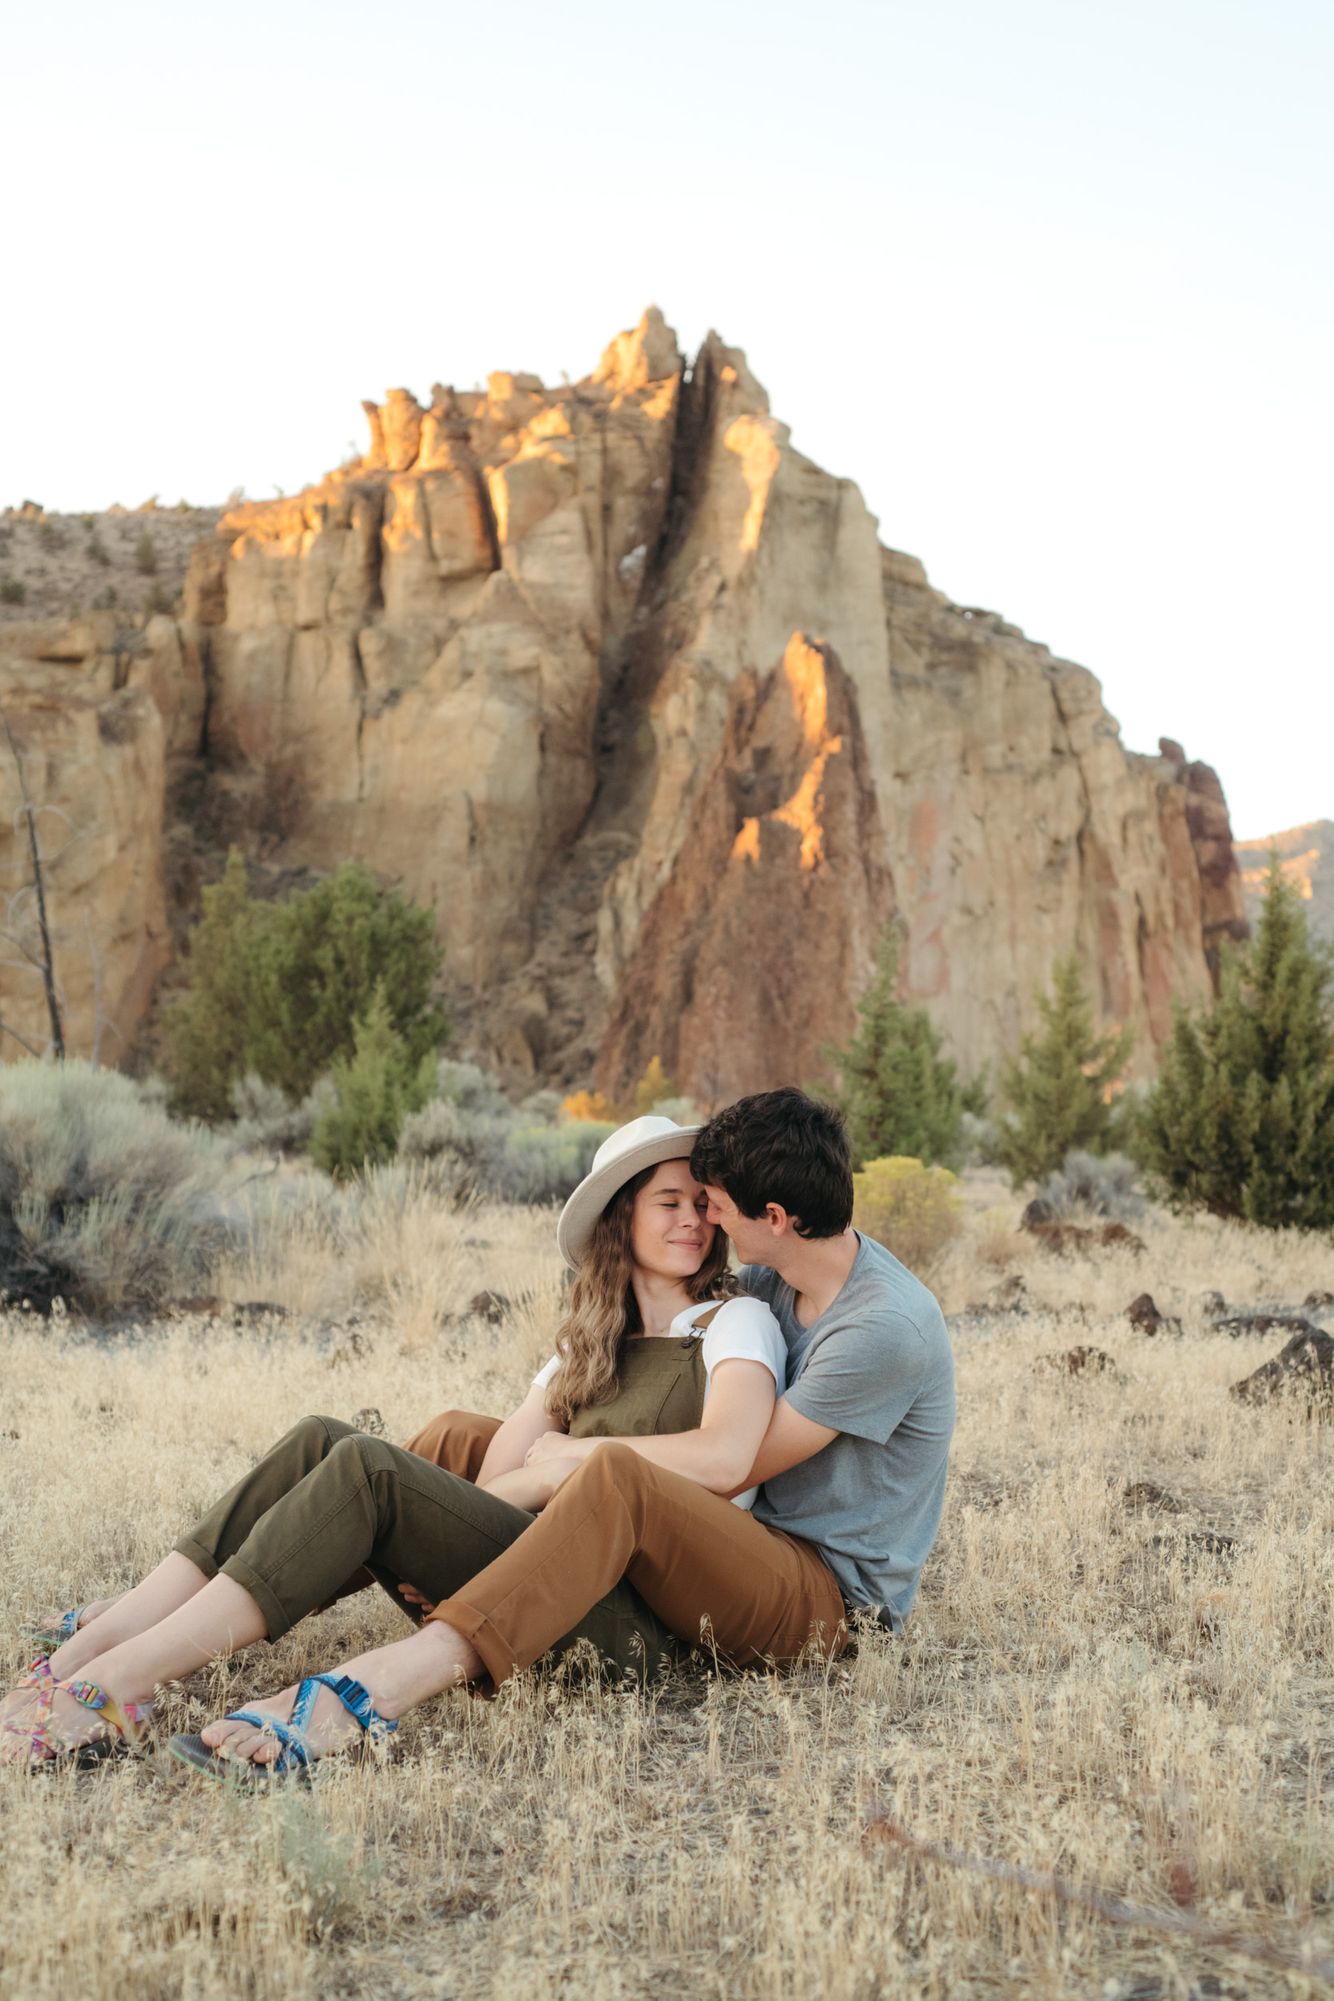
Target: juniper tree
(374,1091)
(898,1093)
(1241,1119)
(1058,1089)
(276,989)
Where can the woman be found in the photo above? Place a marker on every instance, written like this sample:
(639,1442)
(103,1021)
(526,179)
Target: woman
(657,1340)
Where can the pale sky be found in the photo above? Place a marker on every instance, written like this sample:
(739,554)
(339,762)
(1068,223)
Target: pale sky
(1050,280)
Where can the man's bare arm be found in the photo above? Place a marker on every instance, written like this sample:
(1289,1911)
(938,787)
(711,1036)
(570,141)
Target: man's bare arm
(790,1439)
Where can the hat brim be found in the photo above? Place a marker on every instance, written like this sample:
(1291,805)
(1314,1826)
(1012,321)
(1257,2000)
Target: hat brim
(595,1191)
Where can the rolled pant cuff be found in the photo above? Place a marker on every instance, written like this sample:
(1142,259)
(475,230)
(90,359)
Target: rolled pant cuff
(202,1559)
(498,1655)
(277,1618)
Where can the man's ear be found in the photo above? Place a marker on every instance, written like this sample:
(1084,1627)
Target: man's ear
(778,1219)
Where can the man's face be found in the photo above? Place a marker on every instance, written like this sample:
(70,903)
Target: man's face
(752,1237)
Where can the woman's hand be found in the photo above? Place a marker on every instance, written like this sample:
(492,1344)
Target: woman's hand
(531,1487)
(558,1445)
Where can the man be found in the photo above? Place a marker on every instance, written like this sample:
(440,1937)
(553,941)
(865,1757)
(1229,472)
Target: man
(854,1458)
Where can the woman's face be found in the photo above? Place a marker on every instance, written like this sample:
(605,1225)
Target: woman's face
(670,1234)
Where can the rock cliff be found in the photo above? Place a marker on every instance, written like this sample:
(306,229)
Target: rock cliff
(629,692)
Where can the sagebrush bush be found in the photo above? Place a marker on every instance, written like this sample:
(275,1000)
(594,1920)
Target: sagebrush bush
(105,1202)
(266,1119)
(1086,1183)
(914,1210)
(476,1143)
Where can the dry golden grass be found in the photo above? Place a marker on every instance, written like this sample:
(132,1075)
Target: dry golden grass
(1072,1695)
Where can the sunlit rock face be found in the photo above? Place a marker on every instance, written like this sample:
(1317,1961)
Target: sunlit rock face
(629,692)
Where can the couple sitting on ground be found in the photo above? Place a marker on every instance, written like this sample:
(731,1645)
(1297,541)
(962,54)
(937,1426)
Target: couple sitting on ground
(745,1462)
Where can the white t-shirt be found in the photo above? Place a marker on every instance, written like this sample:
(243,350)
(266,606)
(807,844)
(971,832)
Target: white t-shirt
(744,1330)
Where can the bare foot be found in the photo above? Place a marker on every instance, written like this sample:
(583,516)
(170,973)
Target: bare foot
(329,1727)
(94,1610)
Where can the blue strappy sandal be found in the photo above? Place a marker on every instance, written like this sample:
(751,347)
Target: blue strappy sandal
(296,1756)
(49,1634)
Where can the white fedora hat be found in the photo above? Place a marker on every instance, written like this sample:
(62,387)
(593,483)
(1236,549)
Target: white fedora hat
(622,1155)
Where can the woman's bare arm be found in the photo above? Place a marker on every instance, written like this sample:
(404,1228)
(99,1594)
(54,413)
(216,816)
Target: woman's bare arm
(509,1448)
(720,1453)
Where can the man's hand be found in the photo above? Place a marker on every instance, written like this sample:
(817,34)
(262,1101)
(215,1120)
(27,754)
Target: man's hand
(416,1597)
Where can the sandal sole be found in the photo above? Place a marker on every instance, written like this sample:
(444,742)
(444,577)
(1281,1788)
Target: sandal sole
(242,1774)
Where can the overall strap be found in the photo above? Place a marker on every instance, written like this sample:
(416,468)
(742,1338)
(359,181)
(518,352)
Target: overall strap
(707,1319)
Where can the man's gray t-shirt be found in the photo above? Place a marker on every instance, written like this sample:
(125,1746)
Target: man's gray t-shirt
(876,1366)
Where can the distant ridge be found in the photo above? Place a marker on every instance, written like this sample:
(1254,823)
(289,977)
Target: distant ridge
(1307,855)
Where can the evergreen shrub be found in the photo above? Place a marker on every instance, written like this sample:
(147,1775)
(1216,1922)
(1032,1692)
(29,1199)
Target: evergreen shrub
(898,1093)
(374,1091)
(277,989)
(1057,1095)
(1241,1119)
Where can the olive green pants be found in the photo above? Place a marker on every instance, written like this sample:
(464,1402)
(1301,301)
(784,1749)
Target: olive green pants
(329,1501)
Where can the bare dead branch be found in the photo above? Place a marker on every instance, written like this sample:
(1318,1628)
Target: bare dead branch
(39,883)
(1176,1924)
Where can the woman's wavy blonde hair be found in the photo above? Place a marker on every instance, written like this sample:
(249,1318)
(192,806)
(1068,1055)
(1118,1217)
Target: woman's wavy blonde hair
(603,1309)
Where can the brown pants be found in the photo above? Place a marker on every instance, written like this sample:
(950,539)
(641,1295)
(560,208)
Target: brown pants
(707,1569)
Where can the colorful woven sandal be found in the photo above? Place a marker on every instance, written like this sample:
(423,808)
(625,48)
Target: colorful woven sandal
(296,1755)
(122,1727)
(33,1724)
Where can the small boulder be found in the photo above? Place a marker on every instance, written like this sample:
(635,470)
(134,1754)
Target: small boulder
(1303,1368)
(1195,1542)
(1146,1496)
(1081,1361)
(1264,1323)
(1316,1302)
(1212,1305)
(1143,1313)
(489,1306)
(369,1419)
(1072,1239)
(1038,1212)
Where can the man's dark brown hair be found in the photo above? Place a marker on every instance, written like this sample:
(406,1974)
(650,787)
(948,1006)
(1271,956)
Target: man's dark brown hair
(783,1147)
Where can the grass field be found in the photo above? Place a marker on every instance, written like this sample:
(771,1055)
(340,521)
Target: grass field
(1084,1689)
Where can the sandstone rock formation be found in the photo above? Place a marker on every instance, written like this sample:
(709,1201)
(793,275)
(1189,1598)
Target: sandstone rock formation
(95,712)
(628,690)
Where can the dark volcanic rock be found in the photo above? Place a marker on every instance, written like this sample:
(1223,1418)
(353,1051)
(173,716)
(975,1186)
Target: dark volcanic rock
(1067,1239)
(489,1306)
(1303,1368)
(1148,1495)
(1143,1313)
(1082,1361)
(1264,1323)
